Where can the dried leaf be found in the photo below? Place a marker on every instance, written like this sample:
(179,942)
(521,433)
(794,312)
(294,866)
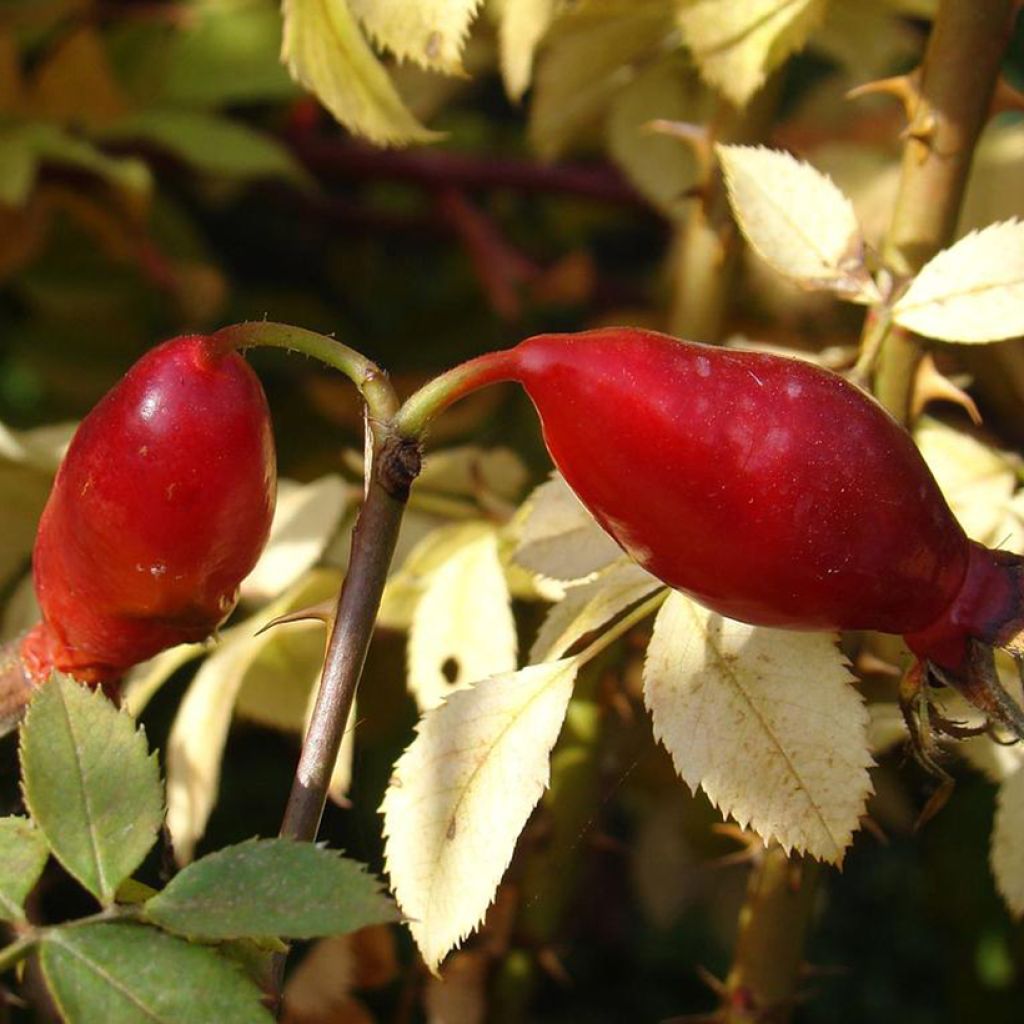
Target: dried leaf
(461,794)
(459,995)
(764,721)
(559,538)
(325,51)
(1007,853)
(586,608)
(737,44)
(971,292)
(463,627)
(797,221)
(430,33)
(523,24)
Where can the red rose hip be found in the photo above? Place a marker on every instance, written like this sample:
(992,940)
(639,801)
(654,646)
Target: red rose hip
(161,506)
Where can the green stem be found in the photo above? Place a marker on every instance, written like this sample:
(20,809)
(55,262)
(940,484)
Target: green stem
(412,420)
(762,982)
(950,106)
(371,381)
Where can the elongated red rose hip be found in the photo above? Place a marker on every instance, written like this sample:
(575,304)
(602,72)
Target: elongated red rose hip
(771,490)
(160,508)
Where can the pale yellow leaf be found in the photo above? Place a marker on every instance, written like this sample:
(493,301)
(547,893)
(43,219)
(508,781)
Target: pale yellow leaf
(461,794)
(588,607)
(523,24)
(145,680)
(559,538)
(765,721)
(21,612)
(886,727)
(325,51)
(971,292)
(468,470)
(305,518)
(977,481)
(662,168)
(430,33)
(196,743)
(463,627)
(1007,854)
(996,761)
(737,43)
(995,189)
(434,546)
(590,54)
(797,220)
(867,38)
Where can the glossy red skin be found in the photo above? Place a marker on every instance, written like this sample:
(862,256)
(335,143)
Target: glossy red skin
(161,506)
(771,490)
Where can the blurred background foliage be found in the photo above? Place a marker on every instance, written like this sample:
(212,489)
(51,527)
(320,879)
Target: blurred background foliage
(160,173)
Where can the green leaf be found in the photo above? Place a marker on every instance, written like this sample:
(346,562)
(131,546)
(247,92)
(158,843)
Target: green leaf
(212,144)
(269,887)
(130,974)
(53,143)
(23,854)
(227,53)
(90,784)
(325,50)
(18,164)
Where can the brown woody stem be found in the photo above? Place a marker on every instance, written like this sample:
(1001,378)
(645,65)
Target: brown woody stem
(950,108)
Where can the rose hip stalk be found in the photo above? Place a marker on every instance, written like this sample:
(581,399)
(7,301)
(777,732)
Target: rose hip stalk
(160,508)
(770,490)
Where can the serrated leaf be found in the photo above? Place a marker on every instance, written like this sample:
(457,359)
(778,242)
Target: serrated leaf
(306,516)
(130,974)
(90,784)
(23,855)
(523,24)
(662,168)
(1007,854)
(461,794)
(559,538)
(797,221)
(325,51)
(765,721)
(266,888)
(736,45)
(463,627)
(977,481)
(430,33)
(971,292)
(592,52)
(588,607)
(195,746)
(212,144)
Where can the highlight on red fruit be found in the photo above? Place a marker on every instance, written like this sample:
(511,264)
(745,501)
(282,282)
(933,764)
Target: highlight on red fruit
(160,508)
(772,491)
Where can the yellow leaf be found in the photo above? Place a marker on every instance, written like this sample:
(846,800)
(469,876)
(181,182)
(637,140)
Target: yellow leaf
(430,33)
(461,794)
(971,292)
(736,43)
(305,518)
(463,627)
(797,221)
(559,538)
(1008,842)
(523,24)
(663,169)
(592,52)
(977,481)
(466,471)
(867,38)
(588,607)
(765,721)
(325,51)
(145,680)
